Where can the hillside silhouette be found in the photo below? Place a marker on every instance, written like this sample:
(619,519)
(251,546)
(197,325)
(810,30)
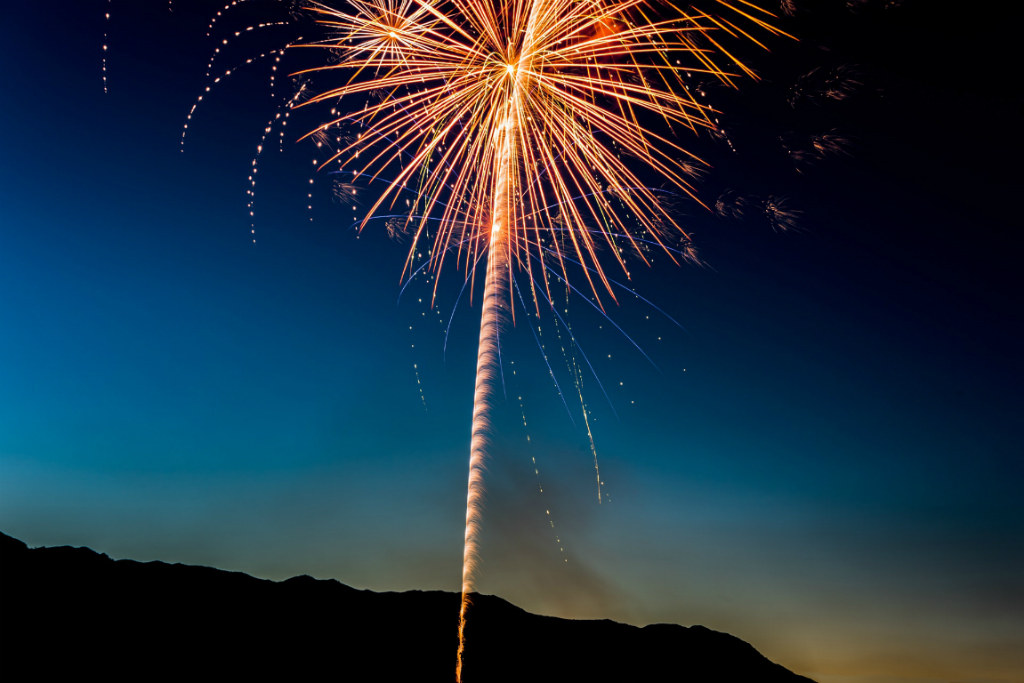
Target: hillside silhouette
(71,612)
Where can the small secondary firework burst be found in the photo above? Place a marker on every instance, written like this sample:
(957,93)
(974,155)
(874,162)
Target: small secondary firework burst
(517,123)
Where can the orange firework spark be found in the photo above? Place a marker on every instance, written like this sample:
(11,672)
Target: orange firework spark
(498,113)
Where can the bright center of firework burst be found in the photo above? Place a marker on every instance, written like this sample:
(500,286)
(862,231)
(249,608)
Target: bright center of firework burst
(459,128)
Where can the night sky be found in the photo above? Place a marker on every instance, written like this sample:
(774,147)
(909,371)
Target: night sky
(824,462)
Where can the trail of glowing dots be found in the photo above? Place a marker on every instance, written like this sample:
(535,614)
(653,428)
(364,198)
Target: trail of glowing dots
(419,384)
(217,80)
(536,468)
(213,20)
(105,29)
(259,150)
(216,51)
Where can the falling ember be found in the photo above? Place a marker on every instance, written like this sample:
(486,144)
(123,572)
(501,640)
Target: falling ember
(578,380)
(780,215)
(498,113)
(217,80)
(224,42)
(731,205)
(300,92)
(220,13)
(106,19)
(536,471)
(419,385)
(820,84)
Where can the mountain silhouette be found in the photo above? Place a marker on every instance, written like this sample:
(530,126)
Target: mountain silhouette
(67,613)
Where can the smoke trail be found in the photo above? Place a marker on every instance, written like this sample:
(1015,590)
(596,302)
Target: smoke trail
(495,291)
(487,371)
(496,297)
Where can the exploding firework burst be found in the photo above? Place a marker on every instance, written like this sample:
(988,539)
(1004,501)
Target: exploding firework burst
(510,121)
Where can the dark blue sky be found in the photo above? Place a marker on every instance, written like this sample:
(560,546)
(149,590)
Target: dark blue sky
(825,463)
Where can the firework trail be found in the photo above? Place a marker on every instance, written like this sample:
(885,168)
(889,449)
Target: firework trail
(487,376)
(220,13)
(497,112)
(300,92)
(225,41)
(218,79)
(106,19)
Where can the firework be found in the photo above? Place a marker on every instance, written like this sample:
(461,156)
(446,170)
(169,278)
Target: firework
(820,84)
(502,115)
(779,214)
(858,5)
(731,205)
(831,143)
(346,193)
(806,150)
